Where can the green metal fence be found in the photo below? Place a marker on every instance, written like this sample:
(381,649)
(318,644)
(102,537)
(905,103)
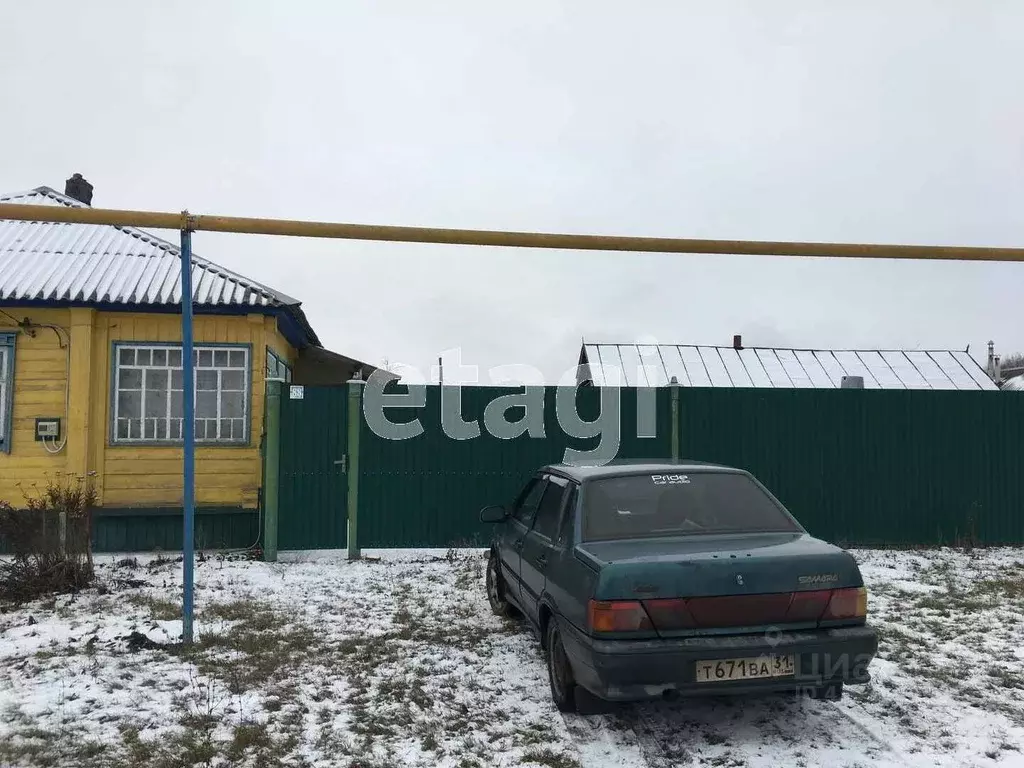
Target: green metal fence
(428,490)
(873,466)
(856,466)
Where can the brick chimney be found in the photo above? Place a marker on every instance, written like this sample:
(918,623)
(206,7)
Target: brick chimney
(79,189)
(737,342)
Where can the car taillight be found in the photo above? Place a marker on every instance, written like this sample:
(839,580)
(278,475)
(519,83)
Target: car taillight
(617,616)
(851,603)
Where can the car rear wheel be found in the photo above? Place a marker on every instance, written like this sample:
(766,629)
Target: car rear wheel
(496,590)
(563,684)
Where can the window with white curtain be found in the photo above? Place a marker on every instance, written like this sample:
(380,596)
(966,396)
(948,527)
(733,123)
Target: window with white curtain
(147,405)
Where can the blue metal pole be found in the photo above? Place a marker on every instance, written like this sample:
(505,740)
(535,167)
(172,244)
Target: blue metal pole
(188,433)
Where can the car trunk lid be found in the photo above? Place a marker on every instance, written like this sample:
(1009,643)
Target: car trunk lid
(722,582)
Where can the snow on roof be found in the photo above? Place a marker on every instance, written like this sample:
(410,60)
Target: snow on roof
(98,263)
(1015,384)
(639,365)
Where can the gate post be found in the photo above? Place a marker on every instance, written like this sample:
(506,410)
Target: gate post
(674,390)
(271,468)
(355,423)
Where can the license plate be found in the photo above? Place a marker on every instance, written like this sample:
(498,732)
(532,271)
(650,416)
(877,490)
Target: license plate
(745,669)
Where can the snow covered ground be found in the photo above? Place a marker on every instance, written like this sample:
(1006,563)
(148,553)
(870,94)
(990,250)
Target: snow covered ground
(397,661)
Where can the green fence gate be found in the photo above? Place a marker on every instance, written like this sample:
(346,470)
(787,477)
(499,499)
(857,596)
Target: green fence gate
(309,498)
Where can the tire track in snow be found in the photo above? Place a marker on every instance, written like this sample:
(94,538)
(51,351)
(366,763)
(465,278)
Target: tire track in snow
(601,745)
(652,736)
(654,748)
(631,737)
(868,731)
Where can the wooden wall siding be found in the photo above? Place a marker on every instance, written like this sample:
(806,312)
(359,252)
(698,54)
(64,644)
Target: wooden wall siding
(40,375)
(137,475)
(279,344)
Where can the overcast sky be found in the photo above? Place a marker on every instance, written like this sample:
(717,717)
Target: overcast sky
(896,122)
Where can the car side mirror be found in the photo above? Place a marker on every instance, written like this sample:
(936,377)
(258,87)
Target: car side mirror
(493,514)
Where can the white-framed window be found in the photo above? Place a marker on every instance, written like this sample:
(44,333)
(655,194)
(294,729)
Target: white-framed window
(6,389)
(147,405)
(277,368)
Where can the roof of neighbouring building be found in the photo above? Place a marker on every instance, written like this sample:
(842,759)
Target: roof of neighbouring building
(707,366)
(1014,384)
(1011,371)
(70,263)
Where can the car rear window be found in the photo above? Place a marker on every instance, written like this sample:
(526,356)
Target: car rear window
(642,506)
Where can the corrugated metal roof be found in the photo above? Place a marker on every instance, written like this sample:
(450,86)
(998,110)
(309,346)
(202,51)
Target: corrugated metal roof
(639,365)
(1016,384)
(49,261)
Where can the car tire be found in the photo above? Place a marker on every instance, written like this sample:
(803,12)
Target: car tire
(563,683)
(496,590)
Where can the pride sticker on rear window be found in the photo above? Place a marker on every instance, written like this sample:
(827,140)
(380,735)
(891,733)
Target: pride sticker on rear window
(670,479)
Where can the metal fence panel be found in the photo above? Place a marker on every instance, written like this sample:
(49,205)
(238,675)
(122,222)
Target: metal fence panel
(880,467)
(428,490)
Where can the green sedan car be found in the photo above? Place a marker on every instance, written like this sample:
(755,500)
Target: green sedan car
(655,580)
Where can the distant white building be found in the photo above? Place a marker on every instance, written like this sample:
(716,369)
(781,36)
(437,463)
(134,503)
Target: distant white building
(651,365)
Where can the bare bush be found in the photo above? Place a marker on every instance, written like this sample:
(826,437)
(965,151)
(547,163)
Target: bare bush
(49,540)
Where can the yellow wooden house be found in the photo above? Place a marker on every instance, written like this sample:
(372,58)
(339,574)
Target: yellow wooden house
(90,375)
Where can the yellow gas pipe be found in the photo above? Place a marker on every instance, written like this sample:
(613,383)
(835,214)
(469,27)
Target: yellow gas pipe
(192,222)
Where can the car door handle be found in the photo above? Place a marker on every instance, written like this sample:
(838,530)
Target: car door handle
(542,560)
(518,544)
